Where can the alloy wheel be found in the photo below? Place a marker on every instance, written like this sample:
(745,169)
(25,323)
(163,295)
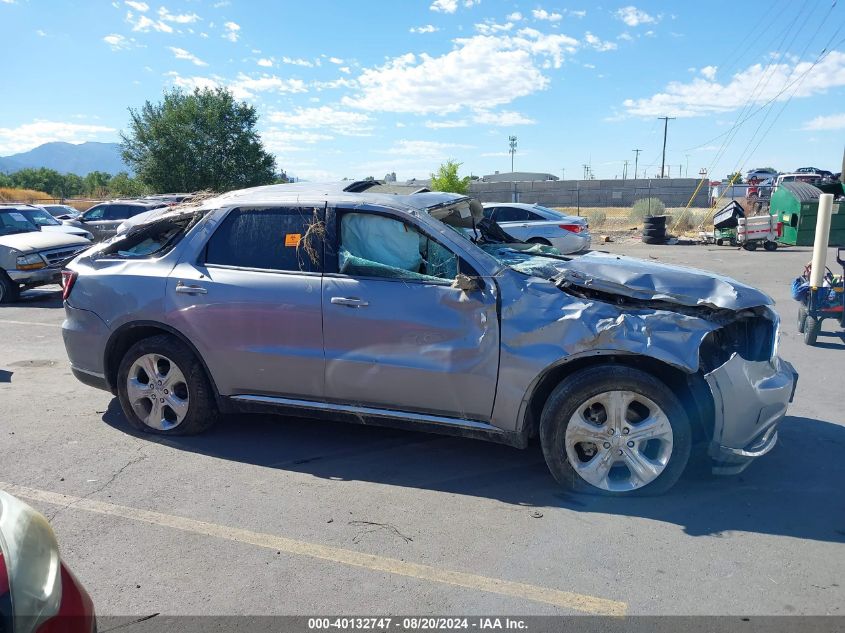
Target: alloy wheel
(157,390)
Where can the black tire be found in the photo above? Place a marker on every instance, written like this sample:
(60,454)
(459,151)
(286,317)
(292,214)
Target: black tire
(750,246)
(576,389)
(202,406)
(733,241)
(9,290)
(654,221)
(720,241)
(654,240)
(812,327)
(539,240)
(770,246)
(654,232)
(802,318)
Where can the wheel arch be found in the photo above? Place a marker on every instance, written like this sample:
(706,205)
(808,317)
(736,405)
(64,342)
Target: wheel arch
(691,389)
(130,333)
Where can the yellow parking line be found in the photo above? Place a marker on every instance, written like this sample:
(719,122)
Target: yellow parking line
(562,599)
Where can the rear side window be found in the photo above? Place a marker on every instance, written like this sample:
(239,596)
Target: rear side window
(117,212)
(511,214)
(269,239)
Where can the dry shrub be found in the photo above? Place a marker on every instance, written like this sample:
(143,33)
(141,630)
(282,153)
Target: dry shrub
(645,207)
(597,217)
(10,194)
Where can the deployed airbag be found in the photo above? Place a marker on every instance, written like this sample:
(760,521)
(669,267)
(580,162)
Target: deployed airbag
(381,240)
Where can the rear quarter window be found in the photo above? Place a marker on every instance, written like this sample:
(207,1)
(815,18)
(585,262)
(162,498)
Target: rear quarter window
(268,239)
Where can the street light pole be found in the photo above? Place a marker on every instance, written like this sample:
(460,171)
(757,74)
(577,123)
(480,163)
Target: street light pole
(636,160)
(665,120)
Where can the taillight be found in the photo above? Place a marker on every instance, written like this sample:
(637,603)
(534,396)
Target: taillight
(68,279)
(574,228)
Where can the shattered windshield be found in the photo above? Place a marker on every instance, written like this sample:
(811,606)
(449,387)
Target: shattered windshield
(155,238)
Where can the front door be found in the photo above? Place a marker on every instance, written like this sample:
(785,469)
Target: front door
(397,334)
(251,303)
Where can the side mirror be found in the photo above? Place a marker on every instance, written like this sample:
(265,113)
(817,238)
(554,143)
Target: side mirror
(467,284)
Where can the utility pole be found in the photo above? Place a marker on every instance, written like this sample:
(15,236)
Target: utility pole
(624,171)
(636,160)
(512,150)
(563,173)
(665,120)
(586,170)
(686,173)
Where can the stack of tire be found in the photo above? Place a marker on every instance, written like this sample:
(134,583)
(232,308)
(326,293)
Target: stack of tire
(654,229)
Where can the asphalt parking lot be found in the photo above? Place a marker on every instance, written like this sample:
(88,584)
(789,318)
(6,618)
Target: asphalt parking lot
(287,516)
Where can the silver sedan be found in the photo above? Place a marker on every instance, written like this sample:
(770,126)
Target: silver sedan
(541,225)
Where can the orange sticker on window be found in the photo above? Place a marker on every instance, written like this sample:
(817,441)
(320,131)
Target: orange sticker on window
(292,239)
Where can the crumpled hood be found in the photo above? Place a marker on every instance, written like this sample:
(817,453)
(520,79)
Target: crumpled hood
(649,281)
(40,240)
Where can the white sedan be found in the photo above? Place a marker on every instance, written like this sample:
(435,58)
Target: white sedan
(540,225)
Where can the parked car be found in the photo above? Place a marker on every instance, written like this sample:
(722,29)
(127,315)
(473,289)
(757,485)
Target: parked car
(541,225)
(103,219)
(41,218)
(29,257)
(61,211)
(761,174)
(38,592)
(416,311)
(822,173)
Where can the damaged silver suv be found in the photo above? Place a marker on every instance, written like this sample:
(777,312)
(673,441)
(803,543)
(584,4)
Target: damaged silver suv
(415,311)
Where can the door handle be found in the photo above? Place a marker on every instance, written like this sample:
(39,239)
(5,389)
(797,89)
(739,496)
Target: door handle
(352,302)
(181,288)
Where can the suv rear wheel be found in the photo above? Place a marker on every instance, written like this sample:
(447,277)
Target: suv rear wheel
(615,430)
(163,388)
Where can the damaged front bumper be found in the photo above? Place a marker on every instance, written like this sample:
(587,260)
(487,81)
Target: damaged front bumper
(750,399)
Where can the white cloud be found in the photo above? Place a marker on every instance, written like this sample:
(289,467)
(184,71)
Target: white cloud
(632,16)
(446,124)
(625,36)
(41,33)
(297,61)
(516,16)
(325,118)
(428,28)
(117,42)
(29,135)
(577,14)
(598,44)
(423,149)
(444,6)
(542,14)
(709,72)
(481,72)
(489,27)
(141,7)
(335,60)
(828,122)
(143,24)
(184,18)
(244,86)
(700,96)
(266,63)
(232,31)
(192,83)
(181,53)
(281,141)
(504,118)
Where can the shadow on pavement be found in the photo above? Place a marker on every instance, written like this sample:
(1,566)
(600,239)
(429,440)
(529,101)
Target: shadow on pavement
(796,490)
(38,298)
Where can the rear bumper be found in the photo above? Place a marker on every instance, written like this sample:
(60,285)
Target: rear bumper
(574,243)
(751,398)
(85,336)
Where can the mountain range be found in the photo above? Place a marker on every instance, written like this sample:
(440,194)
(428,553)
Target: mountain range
(66,158)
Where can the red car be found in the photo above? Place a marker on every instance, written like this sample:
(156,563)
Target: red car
(38,593)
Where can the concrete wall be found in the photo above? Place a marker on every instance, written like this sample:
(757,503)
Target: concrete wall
(674,192)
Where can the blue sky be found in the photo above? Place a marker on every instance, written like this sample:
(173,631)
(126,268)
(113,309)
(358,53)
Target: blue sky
(352,89)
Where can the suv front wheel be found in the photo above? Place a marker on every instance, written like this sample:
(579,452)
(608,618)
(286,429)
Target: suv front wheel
(615,430)
(163,388)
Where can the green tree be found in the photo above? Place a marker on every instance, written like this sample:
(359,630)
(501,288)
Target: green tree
(121,185)
(447,179)
(96,183)
(735,178)
(200,140)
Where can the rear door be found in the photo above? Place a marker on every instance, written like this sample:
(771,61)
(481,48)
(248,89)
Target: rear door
(516,221)
(251,303)
(397,334)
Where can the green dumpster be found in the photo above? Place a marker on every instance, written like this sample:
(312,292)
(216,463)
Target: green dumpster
(796,205)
